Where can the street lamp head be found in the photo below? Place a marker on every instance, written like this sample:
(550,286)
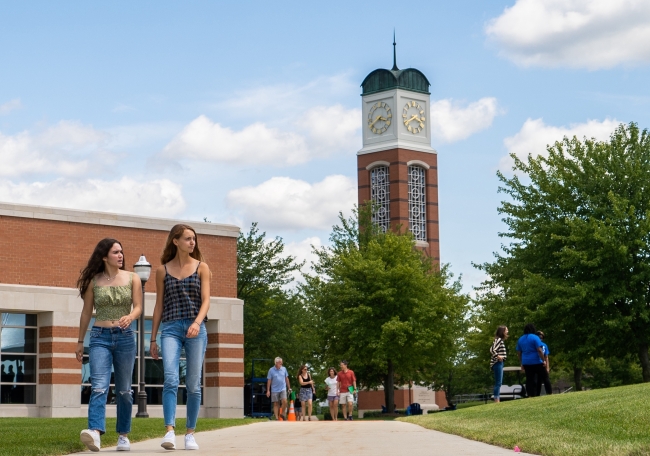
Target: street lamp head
(142,268)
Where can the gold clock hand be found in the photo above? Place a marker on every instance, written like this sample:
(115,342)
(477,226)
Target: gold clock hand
(406,122)
(375,121)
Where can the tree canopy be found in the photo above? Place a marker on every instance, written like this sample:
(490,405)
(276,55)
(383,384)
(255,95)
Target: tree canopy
(383,306)
(577,262)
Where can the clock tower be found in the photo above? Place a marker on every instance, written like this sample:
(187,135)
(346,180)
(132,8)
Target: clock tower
(397,167)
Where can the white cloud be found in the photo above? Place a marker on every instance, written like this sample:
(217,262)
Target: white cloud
(285,203)
(303,251)
(323,132)
(161,198)
(67,148)
(9,106)
(589,34)
(452,121)
(255,144)
(535,135)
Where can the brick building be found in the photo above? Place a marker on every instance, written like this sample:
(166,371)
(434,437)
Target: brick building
(41,253)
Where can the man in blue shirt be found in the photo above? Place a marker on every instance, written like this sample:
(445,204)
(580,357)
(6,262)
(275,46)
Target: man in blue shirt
(277,385)
(545,378)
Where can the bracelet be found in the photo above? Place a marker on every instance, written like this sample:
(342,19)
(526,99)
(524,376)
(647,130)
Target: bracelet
(195,323)
(80,341)
(153,342)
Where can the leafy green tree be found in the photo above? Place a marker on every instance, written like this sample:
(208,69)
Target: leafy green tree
(578,262)
(276,320)
(383,306)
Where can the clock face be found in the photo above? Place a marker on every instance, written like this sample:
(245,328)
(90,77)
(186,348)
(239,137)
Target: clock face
(379,117)
(413,117)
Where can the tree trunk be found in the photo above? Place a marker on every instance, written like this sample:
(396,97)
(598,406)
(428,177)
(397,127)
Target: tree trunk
(645,363)
(448,389)
(577,377)
(389,390)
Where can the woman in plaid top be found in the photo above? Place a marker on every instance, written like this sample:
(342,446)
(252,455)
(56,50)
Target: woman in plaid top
(182,303)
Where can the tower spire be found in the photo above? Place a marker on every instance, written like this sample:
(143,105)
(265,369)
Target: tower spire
(394,53)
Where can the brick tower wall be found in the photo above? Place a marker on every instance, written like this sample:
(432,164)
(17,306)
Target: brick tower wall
(398,175)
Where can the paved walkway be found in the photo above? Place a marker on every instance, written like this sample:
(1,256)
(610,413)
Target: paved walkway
(326,438)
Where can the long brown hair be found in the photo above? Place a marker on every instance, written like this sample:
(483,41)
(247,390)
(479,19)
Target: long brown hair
(304,366)
(96,263)
(169,252)
(501,333)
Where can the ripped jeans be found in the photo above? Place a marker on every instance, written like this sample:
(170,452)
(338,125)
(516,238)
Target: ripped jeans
(111,347)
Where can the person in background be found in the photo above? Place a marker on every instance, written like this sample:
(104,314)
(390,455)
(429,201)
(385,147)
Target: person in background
(545,376)
(297,406)
(332,392)
(277,386)
(498,352)
(307,390)
(531,357)
(347,387)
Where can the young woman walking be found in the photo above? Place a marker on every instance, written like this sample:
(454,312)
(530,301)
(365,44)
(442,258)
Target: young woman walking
(182,304)
(332,392)
(116,296)
(498,352)
(307,390)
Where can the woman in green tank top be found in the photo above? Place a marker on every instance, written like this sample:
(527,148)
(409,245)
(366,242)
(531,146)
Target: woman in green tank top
(116,296)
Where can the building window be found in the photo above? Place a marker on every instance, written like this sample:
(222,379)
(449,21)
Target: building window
(417,202)
(18,351)
(380,195)
(153,371)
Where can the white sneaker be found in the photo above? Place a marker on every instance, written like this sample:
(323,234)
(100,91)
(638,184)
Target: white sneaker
(169,441)
(90,439)
(190,443)
(123,443)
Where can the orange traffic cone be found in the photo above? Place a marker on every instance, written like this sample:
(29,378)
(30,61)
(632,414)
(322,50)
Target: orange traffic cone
(292,413)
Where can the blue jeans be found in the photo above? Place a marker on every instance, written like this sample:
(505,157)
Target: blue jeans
(498,378)
(172,340)
(111,347)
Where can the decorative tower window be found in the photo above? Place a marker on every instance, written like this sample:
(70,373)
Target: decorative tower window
(417,202)
(380,195)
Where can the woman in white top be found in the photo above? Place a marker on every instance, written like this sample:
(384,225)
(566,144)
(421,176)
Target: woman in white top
(332,392)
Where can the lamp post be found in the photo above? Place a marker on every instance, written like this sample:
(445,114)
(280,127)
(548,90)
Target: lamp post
(143,269)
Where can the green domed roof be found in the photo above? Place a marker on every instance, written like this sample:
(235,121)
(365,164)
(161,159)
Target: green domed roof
(409,79)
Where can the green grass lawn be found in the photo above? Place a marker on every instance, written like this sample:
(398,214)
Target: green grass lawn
(613,421)
(53,436)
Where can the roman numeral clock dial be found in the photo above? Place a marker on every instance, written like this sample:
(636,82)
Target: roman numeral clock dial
(379,117)
(413,117)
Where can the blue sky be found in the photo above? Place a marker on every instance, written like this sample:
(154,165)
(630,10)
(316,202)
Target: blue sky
(250,111)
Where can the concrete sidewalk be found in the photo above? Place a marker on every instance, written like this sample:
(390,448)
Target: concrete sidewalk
(326,438)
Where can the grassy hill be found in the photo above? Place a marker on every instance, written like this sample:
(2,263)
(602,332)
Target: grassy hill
(613,421)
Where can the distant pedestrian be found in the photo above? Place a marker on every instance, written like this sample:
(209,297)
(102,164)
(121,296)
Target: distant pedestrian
(498,352)
(297,407)
(307,390)
(116,296)
(545,377)
(332,392)
(531,357)
(277,387)
(347,387)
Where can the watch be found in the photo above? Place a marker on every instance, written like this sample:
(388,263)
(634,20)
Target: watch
(379,117)
(413,117)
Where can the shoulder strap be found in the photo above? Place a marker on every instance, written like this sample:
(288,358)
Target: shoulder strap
(165,266)
(197,267)
(130,279)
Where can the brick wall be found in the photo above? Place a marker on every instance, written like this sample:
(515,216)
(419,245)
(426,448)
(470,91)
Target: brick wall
(51,253)
(398,175)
